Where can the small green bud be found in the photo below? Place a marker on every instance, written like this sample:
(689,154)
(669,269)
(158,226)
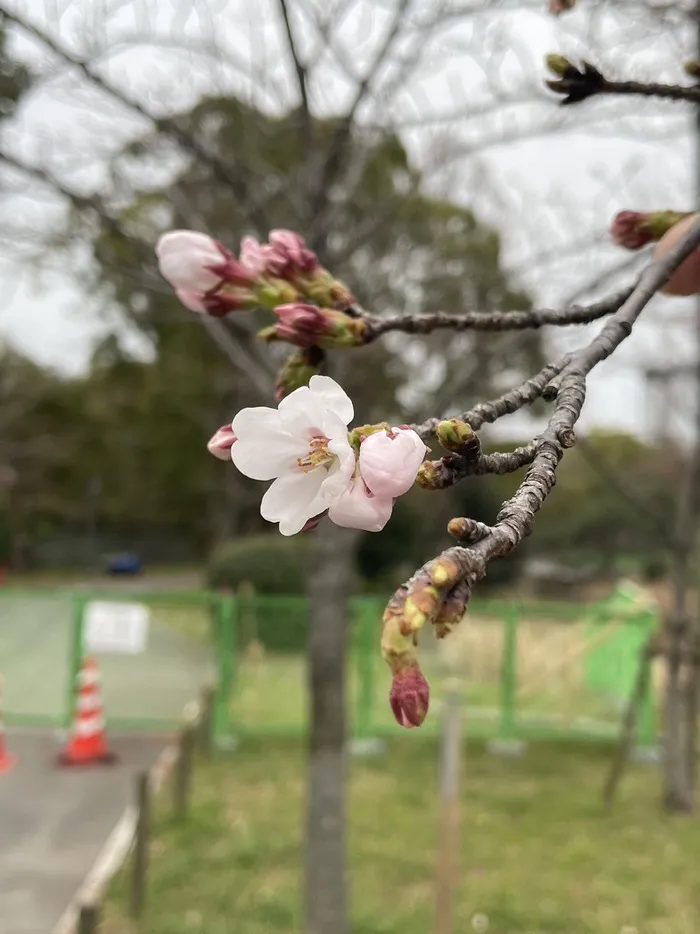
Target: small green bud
(270,293)
(558,65)
(458,437)
(297,370)
(431,475)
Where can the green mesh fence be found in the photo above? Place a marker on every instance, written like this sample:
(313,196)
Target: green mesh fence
(42,645)
(36,645)
(529,670)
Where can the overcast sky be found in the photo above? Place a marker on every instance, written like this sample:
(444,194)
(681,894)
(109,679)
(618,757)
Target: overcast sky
(543,193)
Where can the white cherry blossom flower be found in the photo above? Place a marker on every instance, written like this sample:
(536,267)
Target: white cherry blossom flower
(303,447)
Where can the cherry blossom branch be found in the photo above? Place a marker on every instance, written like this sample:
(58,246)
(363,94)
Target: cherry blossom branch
(579,84)
(488,412)
(440,590)
(494,320)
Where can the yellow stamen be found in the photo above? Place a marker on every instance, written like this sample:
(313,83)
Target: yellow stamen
(318,456)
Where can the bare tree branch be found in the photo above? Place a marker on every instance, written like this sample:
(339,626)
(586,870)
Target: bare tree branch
(165,125)
(247,359)
(496,320)
(440,590)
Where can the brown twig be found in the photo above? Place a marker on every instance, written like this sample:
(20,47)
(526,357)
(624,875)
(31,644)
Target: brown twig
(511,401)
(577,84)
(496,320)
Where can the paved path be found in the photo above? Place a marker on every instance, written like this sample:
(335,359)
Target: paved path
(53,824)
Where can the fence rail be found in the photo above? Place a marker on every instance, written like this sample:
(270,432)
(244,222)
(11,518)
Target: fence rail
(530,669)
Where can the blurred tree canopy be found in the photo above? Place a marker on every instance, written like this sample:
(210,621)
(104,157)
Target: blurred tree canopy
(124,447)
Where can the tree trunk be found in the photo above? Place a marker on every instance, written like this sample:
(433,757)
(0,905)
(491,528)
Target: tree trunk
(330,588)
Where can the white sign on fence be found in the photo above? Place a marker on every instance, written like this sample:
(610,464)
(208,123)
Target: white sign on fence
(117,628)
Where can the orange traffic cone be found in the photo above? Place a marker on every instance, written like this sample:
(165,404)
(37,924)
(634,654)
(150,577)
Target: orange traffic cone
(87,743)
(7,760)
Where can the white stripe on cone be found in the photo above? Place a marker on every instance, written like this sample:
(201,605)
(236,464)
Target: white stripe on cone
(88,677)
(88,702)
(89,726)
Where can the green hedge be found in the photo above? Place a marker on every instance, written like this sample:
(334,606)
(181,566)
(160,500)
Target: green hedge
(273,564)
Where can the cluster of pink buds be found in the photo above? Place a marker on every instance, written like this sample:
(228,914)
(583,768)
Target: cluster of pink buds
(308,325)
(209,278)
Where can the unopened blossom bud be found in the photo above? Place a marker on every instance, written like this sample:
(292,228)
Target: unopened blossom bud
(635,229)
(270,293)
(326,291)
(468,530)
(190,260)
(224,300)
(287,255)
(558,65)
(409,696)
(300,324)
(390,460)
(306,325)
(431,474)
(207,277)
(458,437)
(252,255)
(686,278)
(221,442)
(298,369)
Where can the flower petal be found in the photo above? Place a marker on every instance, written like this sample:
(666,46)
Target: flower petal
(389,464)
(289,500)
(340,475)
(334,396)
(358,509)
(302,413)
(192,300)
(264,449)
(183,258)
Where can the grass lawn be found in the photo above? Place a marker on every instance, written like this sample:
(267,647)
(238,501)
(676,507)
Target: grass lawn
(539,855)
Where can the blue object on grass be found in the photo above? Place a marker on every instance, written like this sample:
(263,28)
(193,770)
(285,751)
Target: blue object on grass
(125,564)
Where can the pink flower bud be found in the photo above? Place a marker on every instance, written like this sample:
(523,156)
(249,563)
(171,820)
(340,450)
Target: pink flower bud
(227,299)
(187,259)
(409,697)
(236,273)
(300,324)
(253,255)
(221,442)
(287,254)
(630,230)
(389,463)
(357,508)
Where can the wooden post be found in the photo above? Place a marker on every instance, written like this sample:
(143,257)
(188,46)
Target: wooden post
(139,865)
(448,844)
(89,919)
(183,771)
(628,728)
(206,721)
